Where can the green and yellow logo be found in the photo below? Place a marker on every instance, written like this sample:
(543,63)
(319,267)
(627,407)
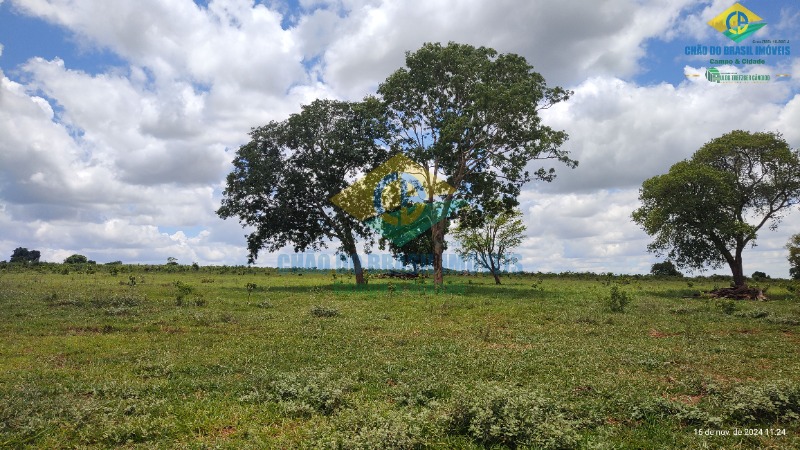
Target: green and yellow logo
(396,199)
(737,22)
(713,75)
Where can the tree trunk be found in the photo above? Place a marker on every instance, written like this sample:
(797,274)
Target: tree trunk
(357,268)
(437,235)
(494,270)
(737,269)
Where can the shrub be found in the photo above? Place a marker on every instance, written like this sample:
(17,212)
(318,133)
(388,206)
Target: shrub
(493,415)
(183,290)
(369,429)
(662,409)
(265,304)
(424,394)
(322,311)
(728,306)
(772,402)
(250,288)
(617,300)
(121,300)
(757,314)
(301,395)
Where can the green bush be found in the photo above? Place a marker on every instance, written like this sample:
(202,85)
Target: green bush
(617,300)
(426,393)
(493,415)
(659,409)
(371,429)
(768,403)
(322,311)
(301,395)
(183,290)
(728,306)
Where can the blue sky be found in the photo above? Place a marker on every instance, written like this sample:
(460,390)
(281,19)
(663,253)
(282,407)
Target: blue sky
(118,120)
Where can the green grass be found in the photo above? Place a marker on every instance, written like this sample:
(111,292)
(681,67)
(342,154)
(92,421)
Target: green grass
(89,360)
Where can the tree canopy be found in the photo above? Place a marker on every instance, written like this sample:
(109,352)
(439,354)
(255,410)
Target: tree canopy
(665,269)
(706,210)
(472,115)
(23,255)
(284,178)
(76,259)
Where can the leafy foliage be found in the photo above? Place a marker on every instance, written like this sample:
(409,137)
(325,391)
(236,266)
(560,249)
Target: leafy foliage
(493,415)
(284,177)
(324,311)
(665,269)
(23,255)
(760,276)
(472,115)
(767,403)
(301,395)
(367,429)
(490,245)
(76,259)
(698,212)
(617,299)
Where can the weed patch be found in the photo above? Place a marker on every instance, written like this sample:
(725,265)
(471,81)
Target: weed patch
(494,415)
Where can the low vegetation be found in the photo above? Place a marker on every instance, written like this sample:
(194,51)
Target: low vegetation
(234,357)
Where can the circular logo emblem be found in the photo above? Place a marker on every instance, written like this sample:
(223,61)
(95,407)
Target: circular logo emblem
(737,22)
(399,199)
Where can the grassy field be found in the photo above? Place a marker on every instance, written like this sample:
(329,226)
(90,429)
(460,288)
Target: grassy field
(238,358)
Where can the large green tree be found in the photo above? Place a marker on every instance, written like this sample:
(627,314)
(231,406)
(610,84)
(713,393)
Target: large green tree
(23,255)
(284,177)
(471,115)
(76,259)
(665,269)
(490,245)
(794,256)
(706,210)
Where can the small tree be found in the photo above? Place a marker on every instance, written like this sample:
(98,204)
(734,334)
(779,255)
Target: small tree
(709,208)
(665,269)
(794,256)
(76,259)
(25,256)
(489,246)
